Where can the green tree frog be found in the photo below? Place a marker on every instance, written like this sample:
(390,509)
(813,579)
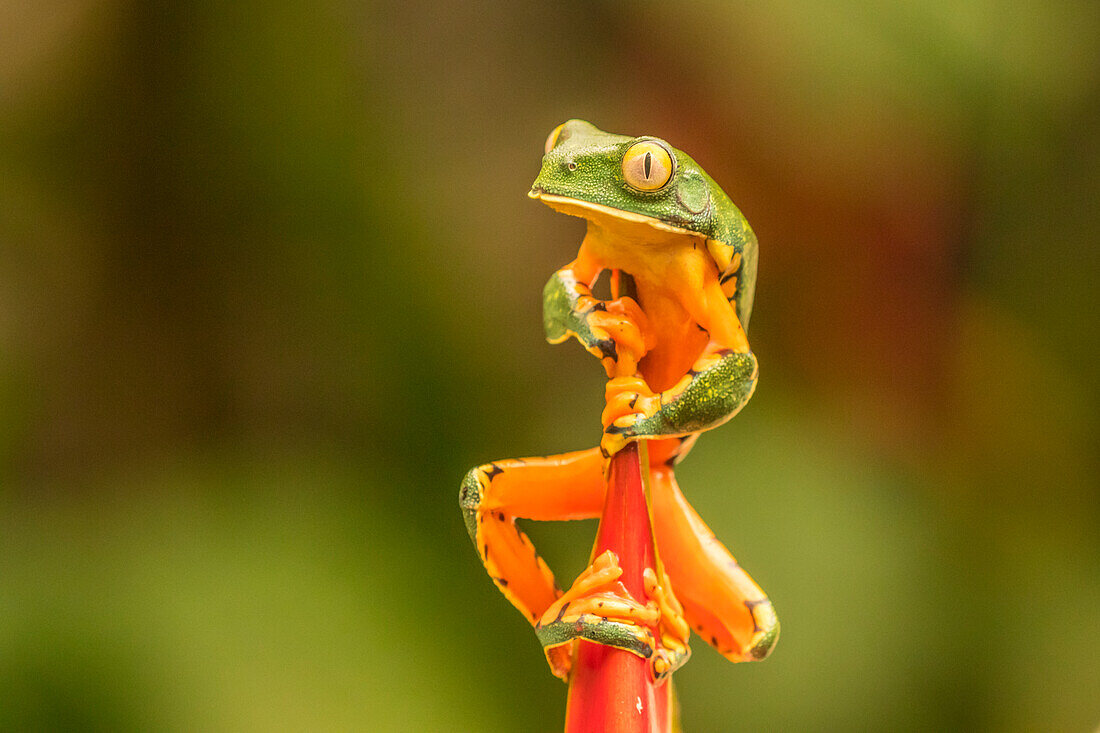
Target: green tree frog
(679,363)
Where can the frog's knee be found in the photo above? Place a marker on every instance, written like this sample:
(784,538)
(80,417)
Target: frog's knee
(766,632)
(469,498)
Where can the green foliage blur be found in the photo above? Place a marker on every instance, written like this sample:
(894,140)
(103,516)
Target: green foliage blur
(270,284)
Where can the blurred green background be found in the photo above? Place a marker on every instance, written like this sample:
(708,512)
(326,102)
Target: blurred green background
(270,284)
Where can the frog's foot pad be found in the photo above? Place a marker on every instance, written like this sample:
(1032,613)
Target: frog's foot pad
(673,628)
(598,608)
(628,397)
(629,401)
(632,416)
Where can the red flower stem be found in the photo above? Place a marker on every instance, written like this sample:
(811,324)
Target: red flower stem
(611,690)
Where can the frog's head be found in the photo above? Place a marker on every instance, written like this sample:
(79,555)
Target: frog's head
(586,171)
(612,179)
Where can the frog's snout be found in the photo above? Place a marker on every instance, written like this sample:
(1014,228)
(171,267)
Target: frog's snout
(555,174)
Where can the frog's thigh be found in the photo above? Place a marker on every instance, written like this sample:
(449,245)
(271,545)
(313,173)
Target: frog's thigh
(721,602)
(551,488)
(569,486)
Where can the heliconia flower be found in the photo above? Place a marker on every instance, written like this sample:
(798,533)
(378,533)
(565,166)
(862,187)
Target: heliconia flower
(612,690)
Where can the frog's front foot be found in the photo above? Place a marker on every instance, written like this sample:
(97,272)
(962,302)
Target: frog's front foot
(597,608)
(620,327)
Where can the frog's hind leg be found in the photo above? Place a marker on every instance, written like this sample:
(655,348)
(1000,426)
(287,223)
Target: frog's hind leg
(721,602)
(567,486)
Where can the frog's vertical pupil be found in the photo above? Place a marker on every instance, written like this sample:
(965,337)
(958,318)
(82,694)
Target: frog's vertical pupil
(648,164)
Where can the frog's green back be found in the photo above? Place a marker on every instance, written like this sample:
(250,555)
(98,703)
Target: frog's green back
(733,246)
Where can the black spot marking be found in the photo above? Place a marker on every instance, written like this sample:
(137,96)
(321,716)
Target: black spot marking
(701,328)
(500,516)
(502,581)
(751,605)
(604,452)
(493,471)
(633,402)
(727,277)
(608,349)
(714,641)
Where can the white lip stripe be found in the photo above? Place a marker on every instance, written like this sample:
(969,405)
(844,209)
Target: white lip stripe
(619,213)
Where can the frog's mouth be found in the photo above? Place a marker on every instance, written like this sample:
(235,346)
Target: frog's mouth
(599,213)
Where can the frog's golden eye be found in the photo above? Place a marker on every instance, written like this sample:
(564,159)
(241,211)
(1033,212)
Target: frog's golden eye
(552,139)
(647,165)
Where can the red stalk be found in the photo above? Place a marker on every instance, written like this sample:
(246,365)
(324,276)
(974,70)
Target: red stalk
(611,690)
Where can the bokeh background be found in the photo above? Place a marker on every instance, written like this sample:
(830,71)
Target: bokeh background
(270,284)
